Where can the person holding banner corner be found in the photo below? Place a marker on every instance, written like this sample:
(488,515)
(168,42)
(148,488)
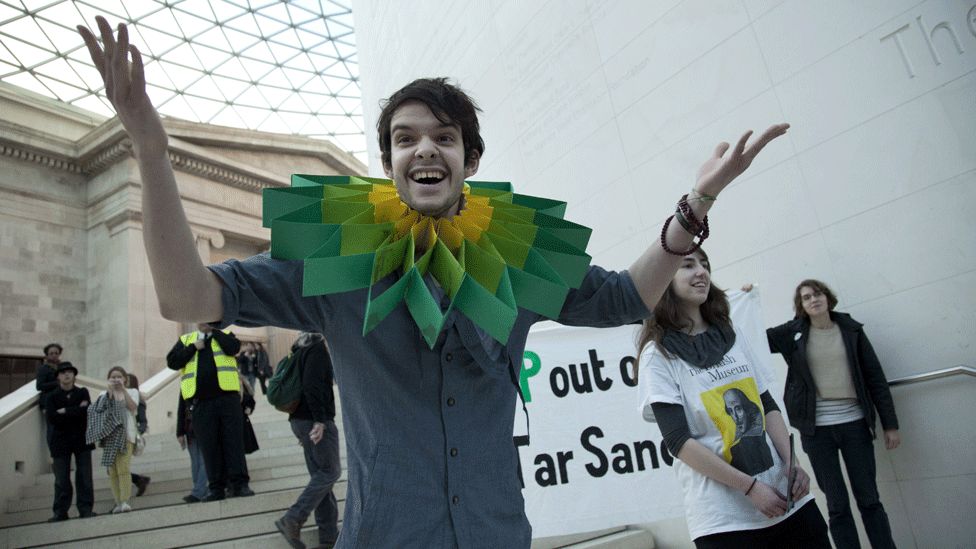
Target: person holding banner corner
(428,425)
(704,384)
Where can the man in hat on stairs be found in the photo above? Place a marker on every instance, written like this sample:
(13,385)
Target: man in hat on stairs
(67,414)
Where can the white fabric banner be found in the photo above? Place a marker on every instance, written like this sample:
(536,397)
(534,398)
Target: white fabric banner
(591,461)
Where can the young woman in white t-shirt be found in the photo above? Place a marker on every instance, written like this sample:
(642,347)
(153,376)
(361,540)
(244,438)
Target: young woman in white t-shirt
(700,378)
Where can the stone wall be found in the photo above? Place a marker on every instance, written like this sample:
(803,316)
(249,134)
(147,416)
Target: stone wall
(74,268)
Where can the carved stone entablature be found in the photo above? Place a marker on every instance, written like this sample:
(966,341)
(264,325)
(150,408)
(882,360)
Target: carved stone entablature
(106,157)
(214,172)
(23,153)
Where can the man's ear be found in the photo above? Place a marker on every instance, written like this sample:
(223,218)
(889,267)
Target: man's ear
(471,166)
(388,170)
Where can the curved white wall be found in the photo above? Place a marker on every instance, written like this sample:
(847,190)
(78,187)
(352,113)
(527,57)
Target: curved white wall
(613,105)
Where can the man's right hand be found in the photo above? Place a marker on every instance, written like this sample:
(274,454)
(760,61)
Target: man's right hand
(182,439)
(198,344)
(125,86)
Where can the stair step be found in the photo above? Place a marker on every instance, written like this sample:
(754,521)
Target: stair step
(191,524)
(165,471)
(151,501)
(179,487)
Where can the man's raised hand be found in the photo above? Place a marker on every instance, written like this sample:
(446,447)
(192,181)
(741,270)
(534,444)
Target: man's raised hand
(720,169)
(125,84)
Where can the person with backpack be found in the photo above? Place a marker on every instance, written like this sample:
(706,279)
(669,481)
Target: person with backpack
(313,423)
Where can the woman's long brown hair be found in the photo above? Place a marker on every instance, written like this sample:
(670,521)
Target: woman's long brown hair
(667,315)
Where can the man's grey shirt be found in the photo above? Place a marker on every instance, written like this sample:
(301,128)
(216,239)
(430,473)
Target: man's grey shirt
(431,460)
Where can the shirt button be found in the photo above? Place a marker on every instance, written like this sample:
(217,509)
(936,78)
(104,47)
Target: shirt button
(448,357)
(455,500)
(451,401)
(453,452)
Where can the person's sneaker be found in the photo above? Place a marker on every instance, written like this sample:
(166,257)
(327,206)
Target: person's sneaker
(141,484)
(242,492)
(292,531)
(214,496)
(58,518)
(117,509)
(88,514)
(124,507)
(190,498)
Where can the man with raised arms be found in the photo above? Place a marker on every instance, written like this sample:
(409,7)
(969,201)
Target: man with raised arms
(428,430)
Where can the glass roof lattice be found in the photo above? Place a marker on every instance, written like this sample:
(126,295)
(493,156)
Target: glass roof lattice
(284,67)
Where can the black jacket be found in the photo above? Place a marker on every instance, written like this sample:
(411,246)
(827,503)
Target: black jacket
(318,400)
(46,381)
(67,429)
(800,395)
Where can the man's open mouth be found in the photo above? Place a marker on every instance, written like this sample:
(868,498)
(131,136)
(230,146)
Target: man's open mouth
(427,177)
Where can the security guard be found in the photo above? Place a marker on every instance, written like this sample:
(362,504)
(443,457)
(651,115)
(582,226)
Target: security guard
(209,380)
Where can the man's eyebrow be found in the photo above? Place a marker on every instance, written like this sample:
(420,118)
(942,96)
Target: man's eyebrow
(401,126)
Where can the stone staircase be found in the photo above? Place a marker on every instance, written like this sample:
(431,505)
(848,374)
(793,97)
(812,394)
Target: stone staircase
(160,518)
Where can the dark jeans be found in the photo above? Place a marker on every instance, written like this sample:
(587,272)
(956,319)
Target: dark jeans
(853,440)
(83,482)
(218,427)
(322,460)
(804,529)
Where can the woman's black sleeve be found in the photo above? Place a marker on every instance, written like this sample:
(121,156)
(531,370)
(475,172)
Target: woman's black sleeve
(673,424)
(769,404)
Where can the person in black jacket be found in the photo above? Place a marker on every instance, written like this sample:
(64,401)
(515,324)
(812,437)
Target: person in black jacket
(833,387)
(313,423)
(67,415)
(215,394)
(46,377)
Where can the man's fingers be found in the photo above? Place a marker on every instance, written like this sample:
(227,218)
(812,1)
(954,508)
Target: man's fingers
(108,41)
(138,70)
(120,62)
(94,50)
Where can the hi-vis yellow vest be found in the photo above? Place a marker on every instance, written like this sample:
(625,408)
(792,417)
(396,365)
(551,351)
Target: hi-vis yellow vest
(226,368)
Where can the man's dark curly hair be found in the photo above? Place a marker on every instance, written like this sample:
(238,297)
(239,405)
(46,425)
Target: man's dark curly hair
(449,104)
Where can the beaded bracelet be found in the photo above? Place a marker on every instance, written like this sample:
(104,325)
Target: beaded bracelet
(688,220)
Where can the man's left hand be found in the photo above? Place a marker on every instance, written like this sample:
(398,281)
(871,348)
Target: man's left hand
(892,439)
(318,429)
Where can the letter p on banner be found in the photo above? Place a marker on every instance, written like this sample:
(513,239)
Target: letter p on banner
(528,371)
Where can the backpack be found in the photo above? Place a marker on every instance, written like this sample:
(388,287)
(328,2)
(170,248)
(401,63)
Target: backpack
(285,386)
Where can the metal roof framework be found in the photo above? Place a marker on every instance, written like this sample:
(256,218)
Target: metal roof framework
(283,67)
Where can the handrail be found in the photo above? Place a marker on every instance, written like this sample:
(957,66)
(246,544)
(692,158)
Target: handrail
(917,378)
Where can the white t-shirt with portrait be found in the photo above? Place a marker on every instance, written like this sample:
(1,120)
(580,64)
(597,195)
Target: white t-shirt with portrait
(724,414)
